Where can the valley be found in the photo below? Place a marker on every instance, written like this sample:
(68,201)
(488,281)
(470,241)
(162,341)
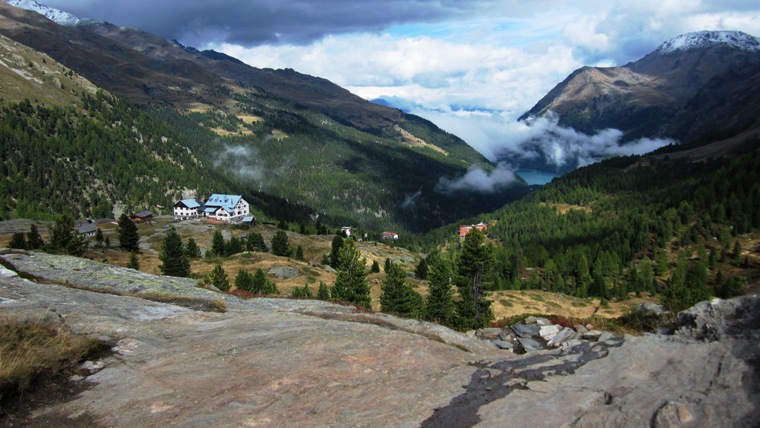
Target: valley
(393,275)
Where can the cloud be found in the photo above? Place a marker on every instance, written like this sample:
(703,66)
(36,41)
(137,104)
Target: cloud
(470,67)
(478,180)
(542,142)
(253,22)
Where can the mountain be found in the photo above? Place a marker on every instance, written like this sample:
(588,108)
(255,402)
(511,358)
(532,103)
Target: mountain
(287,134)
(56,15)
(696,88)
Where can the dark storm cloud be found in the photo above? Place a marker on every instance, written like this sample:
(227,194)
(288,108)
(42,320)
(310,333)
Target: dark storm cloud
(254,22)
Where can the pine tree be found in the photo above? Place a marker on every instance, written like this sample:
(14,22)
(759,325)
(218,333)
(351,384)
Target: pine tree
(219,278)
(351,280)
(439,306)
(473,309)
(18,241)
(244,281)
(217,244)
(299,253)
(258,282)
(129,240)
(422,269)
(337,243)
(99,237)
(255,242)
(173,256)
(191,249)
(323,293)
(280,246)
(134,262)
(34,240)
(233,246)
(737,253)
(375,267)
(64,239)
(398,297)
(387,265)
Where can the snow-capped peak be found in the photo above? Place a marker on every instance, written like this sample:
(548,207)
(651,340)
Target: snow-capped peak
(702,39)
(56,15)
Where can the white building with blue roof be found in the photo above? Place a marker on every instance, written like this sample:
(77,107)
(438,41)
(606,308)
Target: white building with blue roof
(187,208)
(227,208)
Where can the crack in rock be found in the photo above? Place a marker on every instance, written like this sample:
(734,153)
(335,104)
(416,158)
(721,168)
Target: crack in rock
(486,387)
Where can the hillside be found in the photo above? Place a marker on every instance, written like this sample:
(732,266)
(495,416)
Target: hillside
(679,228)
(286,134)
(697,88)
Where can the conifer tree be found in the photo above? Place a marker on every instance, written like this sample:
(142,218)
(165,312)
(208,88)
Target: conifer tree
(737,253)
(375,267)
(34,240)
(129,240)
(217,244)
(323,293)
(299,253)
(64,239)
(134,262)
(280,246)
(99,237)
(219,278)
(398,297)
(255,242)
(258,281)
(387,265)
(173,255)
(18,241)
(191,249)
(439,306)
(422,269)
(351,280)
(337,243)
(244,281)
(475,262)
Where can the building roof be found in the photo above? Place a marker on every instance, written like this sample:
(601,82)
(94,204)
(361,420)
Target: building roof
(143,214)
(226,202)
(190,203)
(248,219)
(86,228)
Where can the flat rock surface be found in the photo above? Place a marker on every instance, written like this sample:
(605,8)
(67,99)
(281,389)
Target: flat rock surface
(280,362)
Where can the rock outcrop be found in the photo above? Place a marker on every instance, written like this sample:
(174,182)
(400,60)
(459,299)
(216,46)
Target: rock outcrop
(282,362)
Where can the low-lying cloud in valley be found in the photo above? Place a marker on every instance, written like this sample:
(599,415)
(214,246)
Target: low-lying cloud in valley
(540,143)
(544,142)
(479,180)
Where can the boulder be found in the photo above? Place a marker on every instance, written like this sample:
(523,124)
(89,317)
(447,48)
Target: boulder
(523,330)
(714,319)
(488,333)
(563,336)
(541,321)
(547,332)
(503,344)
(283,272)
(529,345)
(507,334)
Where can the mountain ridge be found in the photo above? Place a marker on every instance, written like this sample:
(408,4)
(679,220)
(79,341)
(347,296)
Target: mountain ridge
(663,94)
(297,137)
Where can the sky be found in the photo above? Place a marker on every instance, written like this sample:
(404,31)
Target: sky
(472,67)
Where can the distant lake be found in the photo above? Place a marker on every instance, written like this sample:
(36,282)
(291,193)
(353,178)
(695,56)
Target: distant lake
(533,176)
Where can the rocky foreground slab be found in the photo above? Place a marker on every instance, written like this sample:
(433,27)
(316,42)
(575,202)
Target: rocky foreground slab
(280,362)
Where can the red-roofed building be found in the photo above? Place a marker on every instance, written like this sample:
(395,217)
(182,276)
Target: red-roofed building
(465,229)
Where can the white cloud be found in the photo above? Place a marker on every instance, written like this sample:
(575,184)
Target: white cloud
(478,180)
(475,75)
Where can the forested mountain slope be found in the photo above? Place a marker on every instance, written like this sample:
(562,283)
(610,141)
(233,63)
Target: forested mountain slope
(293,136)
(668,225)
